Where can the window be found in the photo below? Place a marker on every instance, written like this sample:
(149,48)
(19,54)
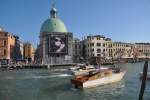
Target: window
(99,55)
(93,50)
(103,44)
(75,46)
(98,38)
(98,44)
(110,45)
(4,52)
(98,50)
(92,44)
(0,52)
(103,50)
(5,34)
(4,42)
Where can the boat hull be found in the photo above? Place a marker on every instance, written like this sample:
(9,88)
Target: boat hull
(101,81)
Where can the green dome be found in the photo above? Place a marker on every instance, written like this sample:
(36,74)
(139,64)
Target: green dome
(53,25)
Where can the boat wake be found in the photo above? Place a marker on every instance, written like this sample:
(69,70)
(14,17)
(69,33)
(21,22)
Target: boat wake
(41,77)
(59,69)
(74,89)
(61,75)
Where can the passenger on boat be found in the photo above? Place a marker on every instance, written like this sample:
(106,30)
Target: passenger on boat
(97,67)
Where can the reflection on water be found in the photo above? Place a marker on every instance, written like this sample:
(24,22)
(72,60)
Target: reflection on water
(55,85)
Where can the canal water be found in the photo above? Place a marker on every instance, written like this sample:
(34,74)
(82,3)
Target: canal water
(42,84)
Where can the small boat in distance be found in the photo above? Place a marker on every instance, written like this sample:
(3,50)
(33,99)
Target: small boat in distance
(97,78)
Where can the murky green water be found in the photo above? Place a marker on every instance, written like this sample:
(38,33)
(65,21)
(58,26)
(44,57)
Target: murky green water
(55,85)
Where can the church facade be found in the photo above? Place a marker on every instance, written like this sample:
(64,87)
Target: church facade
(55,41)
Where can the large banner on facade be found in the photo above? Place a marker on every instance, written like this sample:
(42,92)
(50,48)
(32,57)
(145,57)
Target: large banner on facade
(58,44)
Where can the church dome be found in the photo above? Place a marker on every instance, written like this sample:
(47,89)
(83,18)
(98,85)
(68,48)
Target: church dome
(53,24)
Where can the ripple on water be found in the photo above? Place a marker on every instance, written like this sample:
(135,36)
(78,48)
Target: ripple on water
(55,85)
(106,92)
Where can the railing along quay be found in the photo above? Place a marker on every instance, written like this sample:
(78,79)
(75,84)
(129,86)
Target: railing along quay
(32,66)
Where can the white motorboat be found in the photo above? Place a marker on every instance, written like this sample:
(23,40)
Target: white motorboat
(84,70)
(98,78)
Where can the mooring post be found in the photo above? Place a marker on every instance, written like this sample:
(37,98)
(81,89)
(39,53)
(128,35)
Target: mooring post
(48,66)
(143,85)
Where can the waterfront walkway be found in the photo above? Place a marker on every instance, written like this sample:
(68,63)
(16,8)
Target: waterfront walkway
(31,66)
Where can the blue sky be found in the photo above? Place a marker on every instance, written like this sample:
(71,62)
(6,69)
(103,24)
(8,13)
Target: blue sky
(121,20)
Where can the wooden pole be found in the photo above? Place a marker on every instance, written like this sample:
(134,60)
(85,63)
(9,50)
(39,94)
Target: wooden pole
(143,85)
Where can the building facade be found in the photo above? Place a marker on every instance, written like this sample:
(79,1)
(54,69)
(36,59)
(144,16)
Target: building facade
(7,44)
(29,52)
(102,47)
(77,50)
(98,46)
(122,50)
(143,49)
(18,49)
